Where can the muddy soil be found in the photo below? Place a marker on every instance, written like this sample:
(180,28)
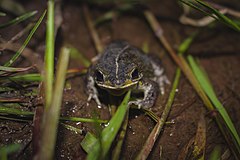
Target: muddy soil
(217,49)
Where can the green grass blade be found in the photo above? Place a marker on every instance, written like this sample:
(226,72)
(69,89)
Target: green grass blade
(52,114)
(204,82)
(116,153)
(18,53)
(106,17)
(102,145)
(5,150)
(13,69)
(49,55)
(18,19)
(12,6)
(7,110)
(216,153)
(5,89)
(18,112)
(186,44)
(193,5)
(17,119)
(210,11)
(76,54)
(78,119)
(73,129)
(221,17)
(89,142)
(34,77)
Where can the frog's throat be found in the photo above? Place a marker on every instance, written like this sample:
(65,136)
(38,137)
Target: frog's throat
(120,87)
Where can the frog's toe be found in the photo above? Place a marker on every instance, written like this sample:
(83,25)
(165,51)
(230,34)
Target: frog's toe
(137,103)
(95,98)
(140,104)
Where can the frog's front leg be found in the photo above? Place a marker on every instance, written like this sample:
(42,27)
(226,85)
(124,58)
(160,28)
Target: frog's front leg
(92,91)
(150,90)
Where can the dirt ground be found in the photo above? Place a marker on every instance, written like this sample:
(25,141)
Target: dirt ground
(217,49)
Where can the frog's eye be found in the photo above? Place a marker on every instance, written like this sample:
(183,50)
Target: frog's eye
(99,76)
(135,74)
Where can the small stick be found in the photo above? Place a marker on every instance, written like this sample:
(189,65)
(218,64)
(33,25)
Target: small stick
(92,30)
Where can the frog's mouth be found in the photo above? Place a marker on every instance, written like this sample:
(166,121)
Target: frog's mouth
(118,90)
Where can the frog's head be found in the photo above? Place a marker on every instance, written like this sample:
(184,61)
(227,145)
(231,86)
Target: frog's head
(117,71)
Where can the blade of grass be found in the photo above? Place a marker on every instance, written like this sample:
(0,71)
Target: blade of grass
(221,17)
(118,148)
(193,5)
(73,129)
(183,47)
(158,127)
(15,119)
(18,53)
(5,150)
(12,6)
(12,69)
(206,85)
(212,12)
(7,110)
(18,112)
(35,77)
(78,119)
(49,55)
(5,89)
(23,78)
(89,142)
(51,115)
(18,19)
(28,53)
(76,54)
(100,147)
(216,153)
(113,13)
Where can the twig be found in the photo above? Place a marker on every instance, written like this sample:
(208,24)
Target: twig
(92,30)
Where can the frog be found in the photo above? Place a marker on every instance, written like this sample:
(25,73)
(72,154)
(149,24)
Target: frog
(122,67)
